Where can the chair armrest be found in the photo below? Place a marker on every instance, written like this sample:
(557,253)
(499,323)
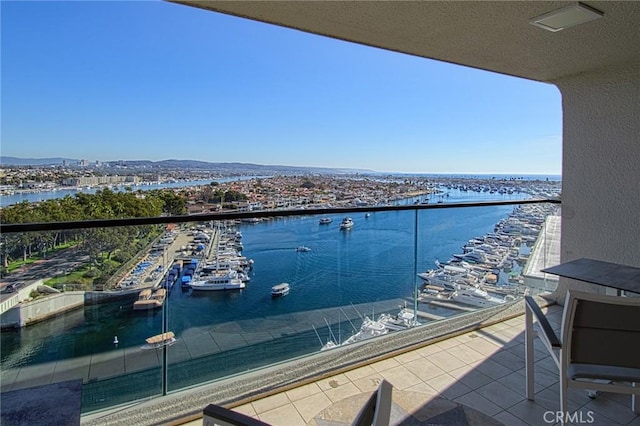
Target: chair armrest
(214,414)
(549,334)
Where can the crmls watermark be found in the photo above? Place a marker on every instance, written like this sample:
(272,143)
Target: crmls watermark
(577,417)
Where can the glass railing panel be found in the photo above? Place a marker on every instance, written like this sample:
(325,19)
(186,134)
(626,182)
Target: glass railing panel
(69,314)
(496,249)
(337,274)
(379,269)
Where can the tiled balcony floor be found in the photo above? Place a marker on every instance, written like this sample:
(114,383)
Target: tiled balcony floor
(483,369)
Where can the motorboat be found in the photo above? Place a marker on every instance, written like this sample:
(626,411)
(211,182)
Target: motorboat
(221,280)
(280,290)
(476,297)
(325,221)
(303,249)
(160,340)
(435,292)
(401,321)
(346,223)
(329,345)
(368,330)
(472,257)
(448,282)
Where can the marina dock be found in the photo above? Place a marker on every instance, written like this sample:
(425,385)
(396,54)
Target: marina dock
(452,306)
(427,315)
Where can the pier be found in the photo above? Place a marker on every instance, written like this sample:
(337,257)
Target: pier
(427,315)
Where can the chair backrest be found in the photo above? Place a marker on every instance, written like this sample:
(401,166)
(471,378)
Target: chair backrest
(377,410)
(601,330)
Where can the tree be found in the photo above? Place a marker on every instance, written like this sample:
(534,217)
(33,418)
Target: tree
(307,183)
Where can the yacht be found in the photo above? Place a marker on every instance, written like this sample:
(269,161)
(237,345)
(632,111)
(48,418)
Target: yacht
(347,223)
(227,280)
(448,281)
(402,320)
(476,297)
(368,330)
(329,345)
(472,257)
(303,249)
(325,221)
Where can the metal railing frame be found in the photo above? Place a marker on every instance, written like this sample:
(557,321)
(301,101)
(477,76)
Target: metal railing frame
(160,220)
(103,223)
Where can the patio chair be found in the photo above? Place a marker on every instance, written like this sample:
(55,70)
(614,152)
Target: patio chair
(377,410)
(216,415)
(599,346)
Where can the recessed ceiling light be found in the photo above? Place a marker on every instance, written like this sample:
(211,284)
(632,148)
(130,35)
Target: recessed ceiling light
(566,17)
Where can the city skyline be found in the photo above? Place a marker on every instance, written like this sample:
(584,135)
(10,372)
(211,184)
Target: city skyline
(154,80)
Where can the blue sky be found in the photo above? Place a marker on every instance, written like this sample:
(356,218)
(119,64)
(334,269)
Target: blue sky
(155,80)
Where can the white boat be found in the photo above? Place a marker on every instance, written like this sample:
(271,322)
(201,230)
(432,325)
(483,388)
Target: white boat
(476,297)
(280,290)
(325,221)
(303,249)
(347,223)
(448,281)
(227,280)
(329,345)
(160,340)
(368,330)
(472,257)
(434,292)
(222,265)
(402,320)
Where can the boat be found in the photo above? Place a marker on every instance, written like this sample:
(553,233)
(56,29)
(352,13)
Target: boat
(448,281)
(160,340)
(476,297)
(221,280)
(325,221)
(303,249)
(431,292)
(280,290)
(368,330)
(472,257)
(237,263)
(150,300)
(347,223)
(329,345)
(401,321)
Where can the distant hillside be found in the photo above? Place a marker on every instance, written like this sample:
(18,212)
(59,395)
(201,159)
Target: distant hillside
(229,168)
(15,161)
(186,165)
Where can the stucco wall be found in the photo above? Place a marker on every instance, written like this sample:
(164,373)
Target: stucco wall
(601,166)
(41,309)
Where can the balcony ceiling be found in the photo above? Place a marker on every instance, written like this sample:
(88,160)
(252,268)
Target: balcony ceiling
(494,36)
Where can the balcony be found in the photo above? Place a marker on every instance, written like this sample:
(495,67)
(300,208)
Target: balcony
(447,382)
(259,353)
